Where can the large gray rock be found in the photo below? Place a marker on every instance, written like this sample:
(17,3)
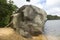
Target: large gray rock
(29,20)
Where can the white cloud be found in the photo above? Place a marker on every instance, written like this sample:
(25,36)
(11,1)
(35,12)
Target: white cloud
(20,3)
(53,7)
(54,11)
(52,2)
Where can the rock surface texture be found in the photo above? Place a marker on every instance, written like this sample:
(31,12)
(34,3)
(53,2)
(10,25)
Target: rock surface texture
(29,21)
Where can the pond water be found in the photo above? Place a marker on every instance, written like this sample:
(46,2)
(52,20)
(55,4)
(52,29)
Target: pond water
(52,28)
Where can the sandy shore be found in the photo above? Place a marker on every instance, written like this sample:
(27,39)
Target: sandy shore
(10,34)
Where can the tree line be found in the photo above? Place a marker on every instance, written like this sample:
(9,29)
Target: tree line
(50,17)
(6,9)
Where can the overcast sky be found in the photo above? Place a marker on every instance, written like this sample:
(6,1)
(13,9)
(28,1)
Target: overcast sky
(50,6)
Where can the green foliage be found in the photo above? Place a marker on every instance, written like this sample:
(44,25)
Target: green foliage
(50,17)
(6,9)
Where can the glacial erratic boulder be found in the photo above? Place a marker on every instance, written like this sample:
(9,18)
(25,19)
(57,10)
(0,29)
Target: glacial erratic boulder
(29,20)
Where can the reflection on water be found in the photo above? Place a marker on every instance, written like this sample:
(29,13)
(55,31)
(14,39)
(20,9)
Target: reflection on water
(52,28)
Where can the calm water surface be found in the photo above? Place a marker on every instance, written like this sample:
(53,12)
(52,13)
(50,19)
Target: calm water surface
(52,28)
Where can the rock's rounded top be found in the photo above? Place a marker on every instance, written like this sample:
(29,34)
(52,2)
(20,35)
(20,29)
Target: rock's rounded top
(30,6)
